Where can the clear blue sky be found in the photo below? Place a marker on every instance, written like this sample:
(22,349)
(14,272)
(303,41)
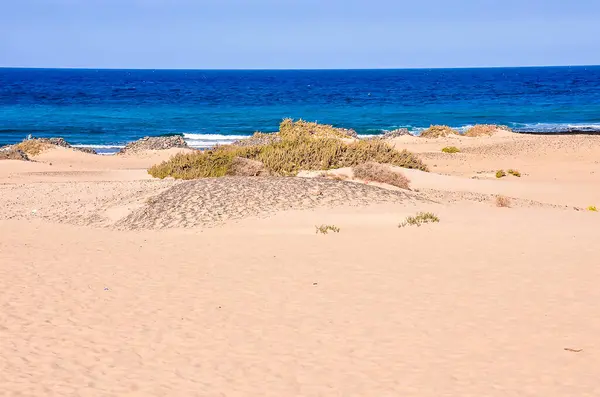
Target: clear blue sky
(234,34)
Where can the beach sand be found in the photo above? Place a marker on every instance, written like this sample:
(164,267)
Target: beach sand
(115,284)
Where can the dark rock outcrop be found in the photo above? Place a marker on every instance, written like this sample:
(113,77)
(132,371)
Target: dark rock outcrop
(62,143)
(10,153)
(396,133)
(154,143)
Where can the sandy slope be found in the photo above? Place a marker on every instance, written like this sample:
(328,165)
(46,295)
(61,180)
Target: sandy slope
(483,303)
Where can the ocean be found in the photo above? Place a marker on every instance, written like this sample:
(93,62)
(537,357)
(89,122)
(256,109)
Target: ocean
(105,109)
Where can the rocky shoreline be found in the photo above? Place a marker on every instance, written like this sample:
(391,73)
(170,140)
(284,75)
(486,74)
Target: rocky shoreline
(154,143)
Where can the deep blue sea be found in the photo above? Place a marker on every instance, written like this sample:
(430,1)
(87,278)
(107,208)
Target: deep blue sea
(108,108)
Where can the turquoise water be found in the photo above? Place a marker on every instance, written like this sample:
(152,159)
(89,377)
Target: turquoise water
(108,108)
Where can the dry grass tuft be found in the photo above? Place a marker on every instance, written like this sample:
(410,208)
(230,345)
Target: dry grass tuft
(215,163)
(302,147)
(375,172)
(502,201)
(290,129)
(32,147)
(500,174)
(514,173)
(241,166)
(592,208)
(485,130)
(419,219)
(438,131)
(451,149)
(325,229)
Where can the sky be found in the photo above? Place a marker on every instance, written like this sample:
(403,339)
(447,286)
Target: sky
(298,34)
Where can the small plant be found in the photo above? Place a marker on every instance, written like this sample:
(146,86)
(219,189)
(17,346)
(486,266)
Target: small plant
(514,173)
(419,219)
(451,149)
(592,208)
(438,131)
(502,201)
(500,174)
(324,229)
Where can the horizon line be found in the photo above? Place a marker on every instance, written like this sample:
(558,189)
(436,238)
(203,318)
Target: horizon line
(298,69)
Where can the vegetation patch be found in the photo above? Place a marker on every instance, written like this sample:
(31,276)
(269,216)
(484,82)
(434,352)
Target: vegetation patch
(301,146)
(500,174)
(485,130)
(241,166)
(514,173)
(290,129)
(451,149)
(592,208)
(382,173)
(325,229)
(419,219)
(438,131)
(32,147)
(502,201)
(258,139)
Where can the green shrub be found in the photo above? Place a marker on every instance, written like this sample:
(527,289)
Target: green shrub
(419,219)
(592,208)
(500,174)
(514,173)
(451,149)
(324,229)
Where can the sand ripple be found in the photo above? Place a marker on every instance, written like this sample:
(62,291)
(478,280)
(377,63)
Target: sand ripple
(207,202)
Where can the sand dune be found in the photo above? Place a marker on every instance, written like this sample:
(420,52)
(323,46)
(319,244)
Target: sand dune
(214,201)
(488,302)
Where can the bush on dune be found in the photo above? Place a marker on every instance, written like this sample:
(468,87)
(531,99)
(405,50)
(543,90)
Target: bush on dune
(290,129)
(302,147)
(33,147)
(258,138)
(514,173)
(451,149)
(325,229)
(438,131)
(419,219)
(485,130)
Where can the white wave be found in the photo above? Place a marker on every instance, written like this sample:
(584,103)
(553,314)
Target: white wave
(200,144)
(556,127)
(367,135)
(207,141)
(214,137)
